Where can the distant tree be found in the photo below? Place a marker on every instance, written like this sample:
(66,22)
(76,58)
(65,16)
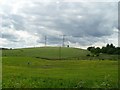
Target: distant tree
(107,45)
(112,46)
(4,49)
(103,50)
(67,45)
(98,50)
(117,50)
(88,55)
(93,50)
(89,48)
(108,49)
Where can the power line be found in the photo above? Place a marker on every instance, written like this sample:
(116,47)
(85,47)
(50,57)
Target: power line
(45,40)
(63,43)
(59,52)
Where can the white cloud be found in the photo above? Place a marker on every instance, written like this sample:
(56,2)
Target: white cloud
(18,38)
(91,0)
(92,23)
(3,42)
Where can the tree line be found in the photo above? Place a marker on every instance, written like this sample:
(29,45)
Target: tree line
(5,49)
(108,49)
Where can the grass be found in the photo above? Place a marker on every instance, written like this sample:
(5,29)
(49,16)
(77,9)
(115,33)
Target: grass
(53,53)
(41,68)
(40,73)
(45,52)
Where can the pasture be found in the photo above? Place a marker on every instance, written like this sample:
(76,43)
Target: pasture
(34,68)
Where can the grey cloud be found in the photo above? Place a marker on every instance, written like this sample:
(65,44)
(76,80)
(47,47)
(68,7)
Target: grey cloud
(9,37)
(18,22)
(90,22)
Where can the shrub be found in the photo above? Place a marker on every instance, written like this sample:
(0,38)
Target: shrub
(88,55)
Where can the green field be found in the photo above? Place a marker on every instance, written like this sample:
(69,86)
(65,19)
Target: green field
(54,53)
(41,68)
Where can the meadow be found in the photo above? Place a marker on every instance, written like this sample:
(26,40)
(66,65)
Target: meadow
(38,68)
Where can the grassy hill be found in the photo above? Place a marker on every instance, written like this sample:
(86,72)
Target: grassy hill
(27,68)
(47,52)
(55,53)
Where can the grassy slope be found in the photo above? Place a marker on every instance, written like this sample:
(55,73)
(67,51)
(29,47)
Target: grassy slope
(58,73)
(47,52)
(53,53)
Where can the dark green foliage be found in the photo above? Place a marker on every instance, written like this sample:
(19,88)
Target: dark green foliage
(88,55)
(117,51)
(109,49)
(96,50)
(89,48)
(4,49)
(104,50)
(92,49)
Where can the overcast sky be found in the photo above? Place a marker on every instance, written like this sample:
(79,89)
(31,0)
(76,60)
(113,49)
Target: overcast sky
(25,23)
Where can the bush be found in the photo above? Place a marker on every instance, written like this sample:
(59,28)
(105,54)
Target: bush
(97,55)
(88,55)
